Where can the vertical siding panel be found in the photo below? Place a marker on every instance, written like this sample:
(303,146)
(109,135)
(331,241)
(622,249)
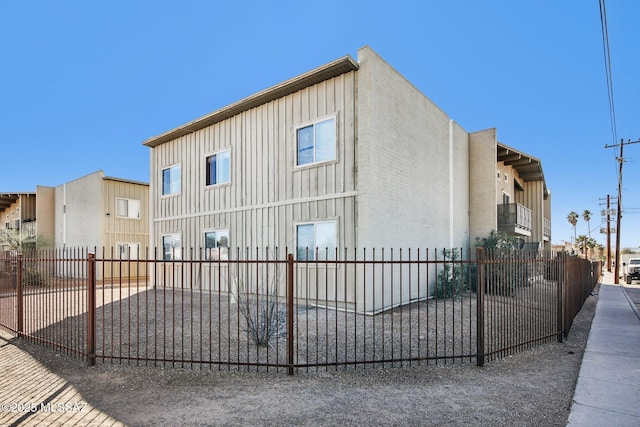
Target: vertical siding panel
(255,155)
(297,112)
(272,149)
(258,140)
(263,155)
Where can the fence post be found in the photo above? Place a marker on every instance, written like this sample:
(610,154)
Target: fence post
(567,264)
(19,295)
(91,309)
(480,278)
(290,314)
(558,267)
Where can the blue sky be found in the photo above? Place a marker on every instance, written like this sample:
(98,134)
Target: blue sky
(84,83)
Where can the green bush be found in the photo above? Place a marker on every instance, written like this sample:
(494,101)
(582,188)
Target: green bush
(508,268)
(452,280)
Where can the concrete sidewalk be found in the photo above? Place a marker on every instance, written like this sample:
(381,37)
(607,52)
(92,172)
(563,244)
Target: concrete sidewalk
(31,395)
(608,388)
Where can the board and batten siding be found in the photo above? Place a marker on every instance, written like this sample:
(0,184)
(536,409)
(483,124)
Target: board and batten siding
(125,230)
(267,193)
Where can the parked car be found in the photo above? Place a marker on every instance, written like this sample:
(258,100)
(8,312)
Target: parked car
(632,270)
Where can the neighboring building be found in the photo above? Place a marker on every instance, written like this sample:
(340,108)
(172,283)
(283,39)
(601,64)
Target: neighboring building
(93,213)
(103,214)
(349,155)
(521,195)
(29,214)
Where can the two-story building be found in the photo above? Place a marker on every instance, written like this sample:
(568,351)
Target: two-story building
(349,155)
(93,213)
(28,216)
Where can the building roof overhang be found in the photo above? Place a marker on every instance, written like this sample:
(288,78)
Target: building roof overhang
(318,75)
(529,168)
(7,199)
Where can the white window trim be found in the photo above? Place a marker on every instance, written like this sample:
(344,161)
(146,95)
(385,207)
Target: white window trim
(162,169)
(216,230)
(321,221)
(162,246)
(213,153)
(129,200)
(313,122)
(133,252)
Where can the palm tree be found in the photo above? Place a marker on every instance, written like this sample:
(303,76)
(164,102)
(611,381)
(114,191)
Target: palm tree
(573,220)
(582,242)
(586,215)
(591,246)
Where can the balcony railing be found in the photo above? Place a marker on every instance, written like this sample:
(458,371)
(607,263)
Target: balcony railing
(514,218)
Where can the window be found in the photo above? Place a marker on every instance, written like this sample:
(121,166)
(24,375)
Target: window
(171,247)
(316,142)
(320,235)
(218,169)
(128,208)
(171,180)
(127,250)
(216,244)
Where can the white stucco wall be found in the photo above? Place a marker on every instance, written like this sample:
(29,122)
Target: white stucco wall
(79,212)
(412,164)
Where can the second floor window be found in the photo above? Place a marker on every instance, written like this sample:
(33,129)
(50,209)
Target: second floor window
(316,143)
(218,168)
(171,180)
(128,208)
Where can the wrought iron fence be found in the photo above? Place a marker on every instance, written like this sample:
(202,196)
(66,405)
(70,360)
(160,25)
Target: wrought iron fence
(262,309)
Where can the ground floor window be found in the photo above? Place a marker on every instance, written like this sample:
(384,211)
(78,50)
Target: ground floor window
(216,244)
(317,237)
(171,247)
(128,251)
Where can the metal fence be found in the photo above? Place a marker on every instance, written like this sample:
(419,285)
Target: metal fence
(263,309)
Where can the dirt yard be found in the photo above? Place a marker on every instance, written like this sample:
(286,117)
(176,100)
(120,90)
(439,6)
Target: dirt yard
(531,388)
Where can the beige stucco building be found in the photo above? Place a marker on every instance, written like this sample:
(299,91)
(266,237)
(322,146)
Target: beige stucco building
(103,213)
(349,155)
(94,213)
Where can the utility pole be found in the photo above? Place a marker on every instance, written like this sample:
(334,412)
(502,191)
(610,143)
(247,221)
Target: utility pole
(608,233)
(606,214)
(616,273)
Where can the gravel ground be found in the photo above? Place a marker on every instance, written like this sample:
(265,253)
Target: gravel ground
(534,387)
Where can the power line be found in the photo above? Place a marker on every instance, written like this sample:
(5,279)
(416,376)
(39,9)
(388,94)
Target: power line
(607,66)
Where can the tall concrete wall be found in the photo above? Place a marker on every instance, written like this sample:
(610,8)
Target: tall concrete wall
(45,213)
(79,212)
(482,183)
(412,164)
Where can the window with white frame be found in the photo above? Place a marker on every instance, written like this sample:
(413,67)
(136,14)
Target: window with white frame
(129,251)
(218,168)
(171,247)
(322,236)
(128,208)
(216,244)
(316,142)
(171,180)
